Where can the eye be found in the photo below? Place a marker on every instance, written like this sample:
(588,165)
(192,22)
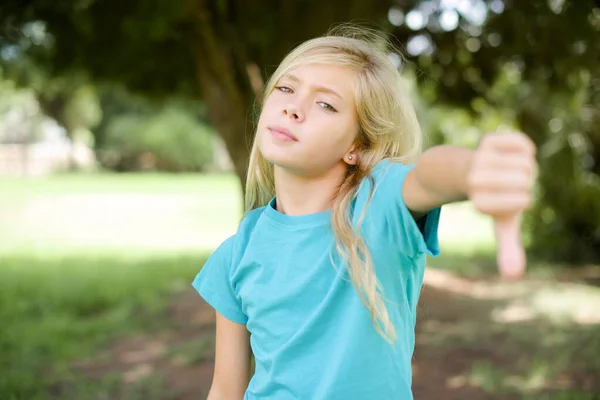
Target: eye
(326,106)
(284,89)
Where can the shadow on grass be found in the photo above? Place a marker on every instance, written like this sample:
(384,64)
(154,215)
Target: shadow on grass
(473,264)
(495,340)
(475,339)
(132,328)
(58,309)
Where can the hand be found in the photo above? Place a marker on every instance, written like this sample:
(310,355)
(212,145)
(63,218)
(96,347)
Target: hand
(499,183)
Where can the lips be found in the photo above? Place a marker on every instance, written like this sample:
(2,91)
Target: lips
(282,134)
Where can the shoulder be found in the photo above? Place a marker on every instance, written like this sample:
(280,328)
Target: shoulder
(224,253)
(382,198)
(390,170)
(250,220)
(384,179)
(249,224)
(234,246)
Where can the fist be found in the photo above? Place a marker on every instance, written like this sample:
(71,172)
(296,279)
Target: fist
(499,184)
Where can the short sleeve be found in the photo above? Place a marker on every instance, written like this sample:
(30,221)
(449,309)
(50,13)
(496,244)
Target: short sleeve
(213,283)
(413,237)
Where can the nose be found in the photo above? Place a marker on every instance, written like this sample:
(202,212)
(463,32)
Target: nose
(292,111)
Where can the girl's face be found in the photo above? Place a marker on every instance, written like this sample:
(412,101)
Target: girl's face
(309,122)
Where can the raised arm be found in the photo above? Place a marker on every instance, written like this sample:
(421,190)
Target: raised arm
(440,177)
(497,177)
(232,361)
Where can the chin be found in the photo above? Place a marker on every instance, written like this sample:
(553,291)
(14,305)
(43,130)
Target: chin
(273,153)
(276,158)
(283,161)
(288,164)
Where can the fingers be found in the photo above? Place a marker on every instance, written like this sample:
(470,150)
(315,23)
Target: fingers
(502,174)
(509,181)
(500,185)
(501,205)
(510,142)
(513,162)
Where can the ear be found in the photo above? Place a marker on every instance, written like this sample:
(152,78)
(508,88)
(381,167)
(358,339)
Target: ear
(351,157)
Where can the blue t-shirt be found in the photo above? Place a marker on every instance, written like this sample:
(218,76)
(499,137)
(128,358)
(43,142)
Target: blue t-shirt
(311,335)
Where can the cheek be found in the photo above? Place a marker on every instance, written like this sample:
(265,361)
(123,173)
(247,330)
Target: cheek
(270,105)
(263,121)
(261,139)
(335,137)
(270,113)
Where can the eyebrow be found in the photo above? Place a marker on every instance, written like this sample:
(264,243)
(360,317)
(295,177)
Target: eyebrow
(323,89)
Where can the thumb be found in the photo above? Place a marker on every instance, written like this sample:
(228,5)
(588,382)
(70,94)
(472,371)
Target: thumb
(510,253)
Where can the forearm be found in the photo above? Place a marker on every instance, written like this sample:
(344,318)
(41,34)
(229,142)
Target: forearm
(441,176)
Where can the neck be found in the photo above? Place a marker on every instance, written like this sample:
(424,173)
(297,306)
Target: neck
(299,195)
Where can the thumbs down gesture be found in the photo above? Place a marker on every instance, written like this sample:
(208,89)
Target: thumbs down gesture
(500,182)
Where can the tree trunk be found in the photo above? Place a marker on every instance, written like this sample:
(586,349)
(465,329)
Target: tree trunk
(229,116)
(222,73)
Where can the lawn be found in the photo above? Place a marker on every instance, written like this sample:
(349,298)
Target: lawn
(92,260)
(86,259)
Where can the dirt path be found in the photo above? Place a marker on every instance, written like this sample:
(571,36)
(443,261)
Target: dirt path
(458,348)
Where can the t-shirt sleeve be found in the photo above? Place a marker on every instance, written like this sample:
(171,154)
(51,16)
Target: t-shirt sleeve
(413,237)
(214,283)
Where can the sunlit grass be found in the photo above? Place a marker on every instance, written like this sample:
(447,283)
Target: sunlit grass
(117,213)
(87,259)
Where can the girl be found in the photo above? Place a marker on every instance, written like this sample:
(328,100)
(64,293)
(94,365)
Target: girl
(322,278)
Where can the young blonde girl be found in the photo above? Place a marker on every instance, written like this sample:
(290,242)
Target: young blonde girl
(323,276)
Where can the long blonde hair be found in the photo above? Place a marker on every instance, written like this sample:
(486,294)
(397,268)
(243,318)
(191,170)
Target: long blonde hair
(388,129)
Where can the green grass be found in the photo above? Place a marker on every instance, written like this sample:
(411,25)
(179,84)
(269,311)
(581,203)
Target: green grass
(117,213)
(548,354)
(55,310)
(85,259)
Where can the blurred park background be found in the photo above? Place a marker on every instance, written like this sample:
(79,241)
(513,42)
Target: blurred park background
(124,129)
